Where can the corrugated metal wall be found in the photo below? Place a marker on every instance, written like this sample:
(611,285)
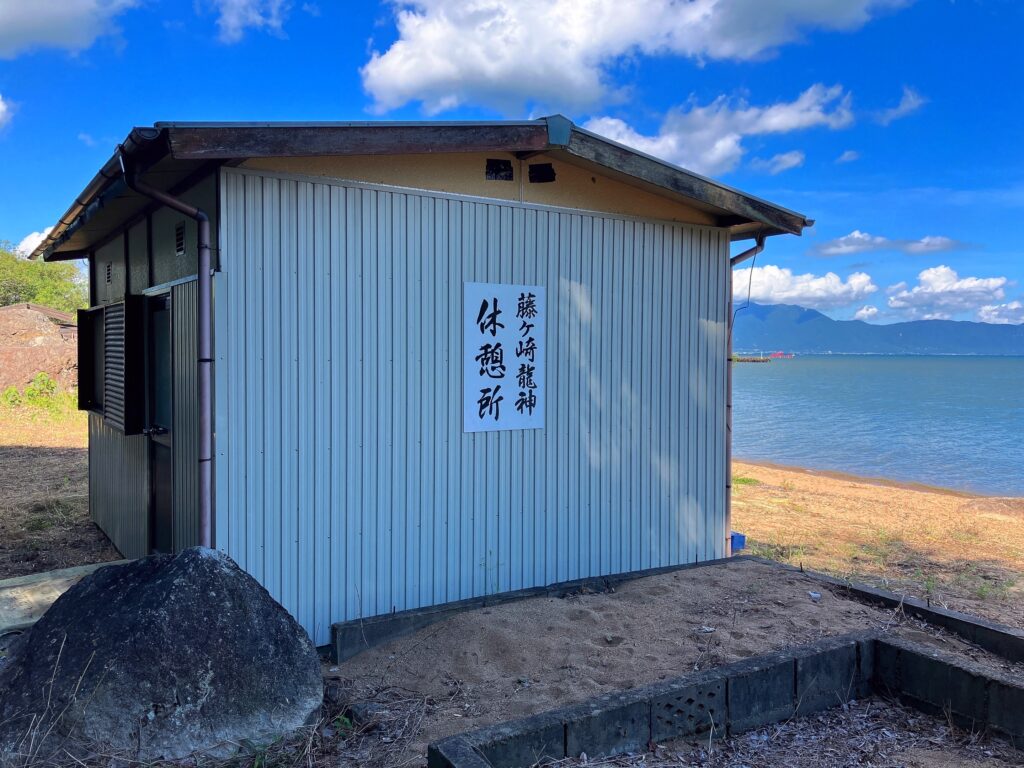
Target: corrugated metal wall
(345,483)
(186,415)
(119,486)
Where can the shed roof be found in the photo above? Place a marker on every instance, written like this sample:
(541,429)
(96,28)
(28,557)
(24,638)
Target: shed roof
(171,155)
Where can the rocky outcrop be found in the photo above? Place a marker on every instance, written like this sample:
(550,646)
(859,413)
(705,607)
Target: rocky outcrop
(33,340)
(160,658)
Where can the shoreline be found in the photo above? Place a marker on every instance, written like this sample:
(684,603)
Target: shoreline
(906,485)
(956,549)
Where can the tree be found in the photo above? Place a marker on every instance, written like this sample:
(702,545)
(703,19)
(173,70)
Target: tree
(59,285)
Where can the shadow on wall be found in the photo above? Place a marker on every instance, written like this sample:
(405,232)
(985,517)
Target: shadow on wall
(654,402)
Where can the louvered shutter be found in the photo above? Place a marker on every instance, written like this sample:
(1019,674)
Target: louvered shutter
(113,366)
(123,366)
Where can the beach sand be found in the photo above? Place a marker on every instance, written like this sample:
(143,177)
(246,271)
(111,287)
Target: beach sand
(959,550)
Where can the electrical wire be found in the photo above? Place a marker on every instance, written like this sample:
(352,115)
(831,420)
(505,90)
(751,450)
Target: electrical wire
(750,285)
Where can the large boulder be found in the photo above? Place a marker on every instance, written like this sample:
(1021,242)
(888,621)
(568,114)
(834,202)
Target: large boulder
(160,658)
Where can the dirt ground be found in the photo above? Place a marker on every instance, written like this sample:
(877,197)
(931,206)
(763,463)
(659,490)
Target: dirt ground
(44,502)
(870,733)
(958,550)
(480,667)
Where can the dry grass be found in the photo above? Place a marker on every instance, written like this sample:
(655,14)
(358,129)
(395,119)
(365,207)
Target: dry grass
(44,501)
(858,734)
(390,718)
(957,550)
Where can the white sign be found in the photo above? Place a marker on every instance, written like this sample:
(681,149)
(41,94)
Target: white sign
(503,357)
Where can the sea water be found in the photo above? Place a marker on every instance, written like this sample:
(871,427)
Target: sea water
(954,422)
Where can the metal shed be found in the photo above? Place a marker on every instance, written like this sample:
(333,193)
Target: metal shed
(333,450)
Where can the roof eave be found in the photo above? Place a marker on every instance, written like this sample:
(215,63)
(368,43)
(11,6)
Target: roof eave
(232,142)
(773,219)
(744,215)
(140,141)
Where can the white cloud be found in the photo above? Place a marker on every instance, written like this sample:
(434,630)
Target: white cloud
(855,242)
(70,24)
(87,139)
(5,112)
(709,139)
(30,241)
(911,101)
(1003,314)
(867,312)
(930,244)
(861,242)
(781,162)
(941,293)
(777,285)
(236,16)
(848,156)
(558,53)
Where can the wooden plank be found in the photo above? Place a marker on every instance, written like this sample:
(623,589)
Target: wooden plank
(216,142)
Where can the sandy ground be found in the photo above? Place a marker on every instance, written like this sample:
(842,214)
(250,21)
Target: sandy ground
(960,551)
(44,502)
(481,667)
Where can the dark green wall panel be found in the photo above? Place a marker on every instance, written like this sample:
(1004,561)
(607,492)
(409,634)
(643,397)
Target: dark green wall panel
(186,416)
(119,486)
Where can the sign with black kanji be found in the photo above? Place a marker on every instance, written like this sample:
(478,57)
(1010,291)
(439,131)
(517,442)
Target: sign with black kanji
(503,357)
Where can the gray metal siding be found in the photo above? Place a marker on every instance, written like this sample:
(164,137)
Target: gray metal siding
(119,486)
(185,432)
(345,483)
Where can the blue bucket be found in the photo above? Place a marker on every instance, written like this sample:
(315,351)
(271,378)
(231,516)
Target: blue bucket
(739,541)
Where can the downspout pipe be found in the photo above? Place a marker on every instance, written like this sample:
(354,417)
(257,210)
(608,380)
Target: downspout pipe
(733,262)
(750,253)
(204,343)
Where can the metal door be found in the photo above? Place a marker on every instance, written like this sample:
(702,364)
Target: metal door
(160,413)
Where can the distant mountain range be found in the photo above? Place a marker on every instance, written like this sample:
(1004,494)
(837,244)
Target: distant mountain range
(789,328)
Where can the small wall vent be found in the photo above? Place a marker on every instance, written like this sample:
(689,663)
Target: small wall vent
(542,173)
(179,239)
(109,272)
(498,170)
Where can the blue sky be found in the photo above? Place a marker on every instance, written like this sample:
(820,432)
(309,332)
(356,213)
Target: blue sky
(894,124)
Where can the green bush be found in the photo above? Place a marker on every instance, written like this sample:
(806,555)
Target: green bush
(40,394)
(41,389)
(58,285)
(10,398)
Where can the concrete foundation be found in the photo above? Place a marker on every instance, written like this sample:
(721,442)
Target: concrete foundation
(747,695)
(25,598)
